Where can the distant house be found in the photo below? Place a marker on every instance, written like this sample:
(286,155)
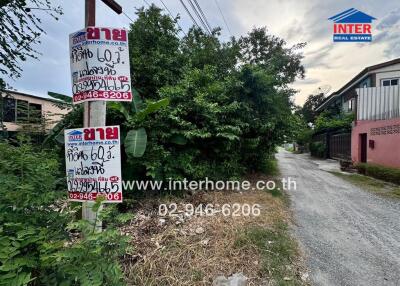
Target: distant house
(374,96)
(20,110)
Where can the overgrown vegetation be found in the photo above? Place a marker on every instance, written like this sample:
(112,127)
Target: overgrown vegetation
(318,149)
(329,121)
(222,108)
(41,242)
(229,103)
(277,250)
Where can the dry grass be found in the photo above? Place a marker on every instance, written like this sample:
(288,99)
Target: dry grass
(172,253)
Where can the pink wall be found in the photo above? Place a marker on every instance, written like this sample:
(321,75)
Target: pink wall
(386,136)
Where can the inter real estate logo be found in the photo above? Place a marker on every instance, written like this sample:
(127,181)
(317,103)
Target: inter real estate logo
(352,26)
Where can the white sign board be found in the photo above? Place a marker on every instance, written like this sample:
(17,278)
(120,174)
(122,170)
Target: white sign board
(100,65)
(93,163)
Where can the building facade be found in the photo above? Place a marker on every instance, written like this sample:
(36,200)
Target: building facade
(374,96)
(20,110)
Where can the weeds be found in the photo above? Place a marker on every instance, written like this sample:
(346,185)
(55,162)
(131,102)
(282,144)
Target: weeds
(371,184)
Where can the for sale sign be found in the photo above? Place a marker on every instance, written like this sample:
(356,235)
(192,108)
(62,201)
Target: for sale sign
(100,65)
(93,163)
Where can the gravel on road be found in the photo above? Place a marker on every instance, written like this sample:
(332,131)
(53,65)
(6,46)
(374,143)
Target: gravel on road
(349,236)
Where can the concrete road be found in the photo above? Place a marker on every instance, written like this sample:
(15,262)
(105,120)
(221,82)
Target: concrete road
(348,236)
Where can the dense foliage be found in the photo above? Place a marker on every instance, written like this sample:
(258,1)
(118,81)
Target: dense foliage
(229,103)
(40,241)
(328,121)
(203,109)
(308,110)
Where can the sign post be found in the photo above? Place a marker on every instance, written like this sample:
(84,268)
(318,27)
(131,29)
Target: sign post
(94,107)
(94,114)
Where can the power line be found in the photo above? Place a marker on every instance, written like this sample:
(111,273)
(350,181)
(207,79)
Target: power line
(169,12)
(199,16)
(223,18)
(187,10)
(126,15)
(204,16)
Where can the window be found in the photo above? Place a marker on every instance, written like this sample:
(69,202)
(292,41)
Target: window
(390,82)
(8,109)
(22,110)
(351,102)
(35,113)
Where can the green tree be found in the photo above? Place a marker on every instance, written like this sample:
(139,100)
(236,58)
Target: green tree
(200,49)
(308,111)
(155,57)
(20,30)
(272,54)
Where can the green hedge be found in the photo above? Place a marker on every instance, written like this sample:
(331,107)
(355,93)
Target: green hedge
(318,149)
(380,172)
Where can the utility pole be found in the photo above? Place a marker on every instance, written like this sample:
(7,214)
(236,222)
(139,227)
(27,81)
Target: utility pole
(94,113)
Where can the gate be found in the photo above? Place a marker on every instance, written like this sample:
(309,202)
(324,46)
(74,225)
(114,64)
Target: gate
(340,146)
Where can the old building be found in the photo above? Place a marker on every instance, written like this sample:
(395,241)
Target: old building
(22,111)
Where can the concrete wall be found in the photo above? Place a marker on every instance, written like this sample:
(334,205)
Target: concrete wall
(386,136)
(52,113)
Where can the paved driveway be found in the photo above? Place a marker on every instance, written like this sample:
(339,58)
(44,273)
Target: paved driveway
(349,236)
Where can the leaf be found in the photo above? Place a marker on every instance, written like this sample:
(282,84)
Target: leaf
(137,103)
(152,107)
(135,142)
(178,139)
(59,96)
(121,107)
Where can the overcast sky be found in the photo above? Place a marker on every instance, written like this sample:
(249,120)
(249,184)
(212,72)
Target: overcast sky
(326,63)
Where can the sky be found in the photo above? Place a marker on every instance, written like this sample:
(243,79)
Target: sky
(325,62)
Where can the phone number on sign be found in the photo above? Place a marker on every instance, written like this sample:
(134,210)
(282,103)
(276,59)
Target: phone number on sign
(103,95)
(235,209)
(114,197)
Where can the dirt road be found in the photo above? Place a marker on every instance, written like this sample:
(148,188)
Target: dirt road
(349,236)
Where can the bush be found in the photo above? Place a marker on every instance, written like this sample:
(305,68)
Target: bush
(327,121)
(318,149)
(40,242)
(380,172)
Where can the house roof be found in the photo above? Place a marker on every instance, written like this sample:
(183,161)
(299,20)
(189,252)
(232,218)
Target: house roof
(352,16)
(46,97)
(356,79)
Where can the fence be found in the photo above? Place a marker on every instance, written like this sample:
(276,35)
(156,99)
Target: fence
(333,144)
(340,146)
(378,103)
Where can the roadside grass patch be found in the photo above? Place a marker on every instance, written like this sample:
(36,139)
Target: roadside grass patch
(387,174)
(371,184)
(270,166)
(175,253)
(276,192)
(278,252)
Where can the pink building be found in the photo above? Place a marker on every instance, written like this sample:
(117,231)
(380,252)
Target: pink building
(374,96)
(375,137)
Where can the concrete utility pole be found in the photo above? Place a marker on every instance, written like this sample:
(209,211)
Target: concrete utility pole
(94,114)
(95,111)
